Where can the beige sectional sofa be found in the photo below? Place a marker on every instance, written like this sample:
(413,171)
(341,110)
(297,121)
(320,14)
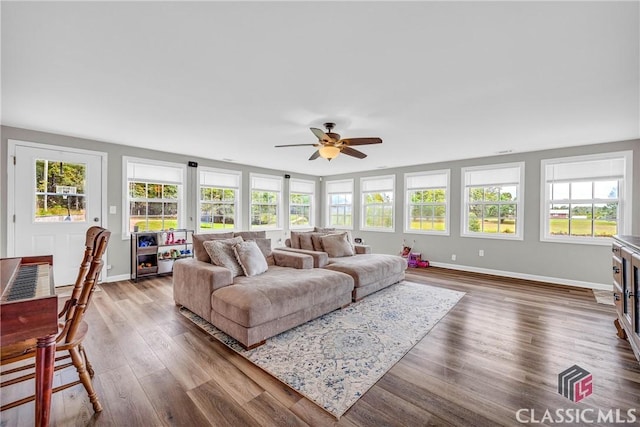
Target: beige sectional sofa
(252,309)
(370,272)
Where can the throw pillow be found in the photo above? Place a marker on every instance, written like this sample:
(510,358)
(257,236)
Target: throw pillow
(222,254)
(265,247)
(305,241)
(317,242)
(250,258)
(198,240)
(337,245)
(295,238)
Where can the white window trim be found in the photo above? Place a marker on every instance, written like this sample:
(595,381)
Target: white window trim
(237,220)
(519,234)
(363,221)
(625,202)
(327,197)
(126,234)
(407,220)
(312,207)
(279,204)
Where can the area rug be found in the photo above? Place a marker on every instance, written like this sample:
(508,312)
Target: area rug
(334,359)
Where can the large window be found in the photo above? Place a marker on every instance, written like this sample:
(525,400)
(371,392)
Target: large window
(585,198)
(377,203)
(339,197)
(302,196)
(427,201)
(219,200)
(493,201)
(154,195)
(266,200)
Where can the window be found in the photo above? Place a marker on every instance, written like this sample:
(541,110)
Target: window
(427,201)
(493,201)
(219,200)
(339,196)
(377,203)
(302,196)
(586,198)
(154,195)
(266,191)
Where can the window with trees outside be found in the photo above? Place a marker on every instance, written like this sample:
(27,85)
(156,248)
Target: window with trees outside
(266,199)
(219,201)
(493,201)
(584,198)
(426,205)
(377,203)
(302,195)
(154,192)
(339,197)
(60,191)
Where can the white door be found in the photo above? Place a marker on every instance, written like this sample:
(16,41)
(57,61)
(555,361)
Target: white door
(57,196)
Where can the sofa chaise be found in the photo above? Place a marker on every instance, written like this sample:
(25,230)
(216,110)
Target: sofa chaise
(334,250)
(254,307)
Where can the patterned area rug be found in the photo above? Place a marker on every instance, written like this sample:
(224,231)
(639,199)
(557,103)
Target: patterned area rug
(334,359)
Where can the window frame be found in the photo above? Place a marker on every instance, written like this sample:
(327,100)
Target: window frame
(408,204)
(237,220)
(363,205)
(519,202)
(328,194)
(312,202)
(624,199)
(126,200)
(278,204)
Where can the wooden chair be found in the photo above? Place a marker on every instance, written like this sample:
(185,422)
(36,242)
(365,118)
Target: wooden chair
(72,328)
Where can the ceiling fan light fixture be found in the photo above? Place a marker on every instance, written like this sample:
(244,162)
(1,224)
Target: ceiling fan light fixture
(329,152)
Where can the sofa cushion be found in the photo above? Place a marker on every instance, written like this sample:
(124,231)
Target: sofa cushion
(277,293)
(324,230)
(368,268)
(198,239)
(251,235)
(250,258)
(221,254)
(337,245)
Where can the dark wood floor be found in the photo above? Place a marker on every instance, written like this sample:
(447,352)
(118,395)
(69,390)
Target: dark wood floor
(500,349)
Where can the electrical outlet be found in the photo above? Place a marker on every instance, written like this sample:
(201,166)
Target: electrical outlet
(481,252)
(453,257)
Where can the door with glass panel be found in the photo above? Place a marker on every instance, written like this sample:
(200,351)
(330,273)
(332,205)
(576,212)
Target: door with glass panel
(57,196)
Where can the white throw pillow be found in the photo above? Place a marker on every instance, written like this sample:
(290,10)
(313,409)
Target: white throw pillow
(222,254)
(250,257)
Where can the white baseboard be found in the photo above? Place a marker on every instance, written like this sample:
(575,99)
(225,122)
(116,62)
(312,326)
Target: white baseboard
(554,280)
(118,278)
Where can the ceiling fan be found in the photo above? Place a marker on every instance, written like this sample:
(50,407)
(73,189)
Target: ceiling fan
(331,144)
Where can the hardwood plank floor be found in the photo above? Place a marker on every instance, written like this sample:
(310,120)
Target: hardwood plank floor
(499,350)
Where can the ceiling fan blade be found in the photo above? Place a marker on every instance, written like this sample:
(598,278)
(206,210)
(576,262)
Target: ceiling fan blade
(352,152)
(322,137)
(315,155)
(297,145)
(360,141)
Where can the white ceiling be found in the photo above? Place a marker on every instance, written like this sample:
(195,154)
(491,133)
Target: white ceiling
(436,81)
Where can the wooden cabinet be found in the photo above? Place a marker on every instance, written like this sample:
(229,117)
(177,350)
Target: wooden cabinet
(153,253)
(626,288)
